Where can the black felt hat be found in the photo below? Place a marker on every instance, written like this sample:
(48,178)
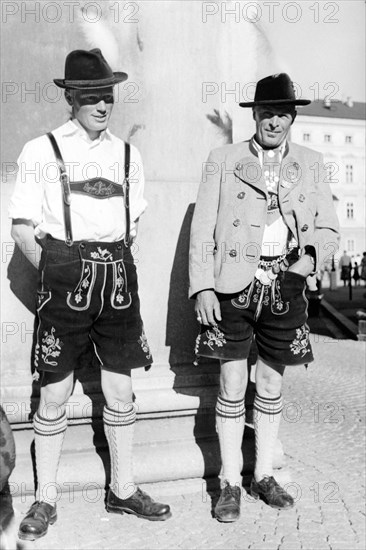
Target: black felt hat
(276,89)
(88,69)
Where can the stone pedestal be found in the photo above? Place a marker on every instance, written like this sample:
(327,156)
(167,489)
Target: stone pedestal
(174,108)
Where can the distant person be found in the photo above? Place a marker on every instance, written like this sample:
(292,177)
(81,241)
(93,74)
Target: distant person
(344,266)
(358,259)
(356,275)
(363,268)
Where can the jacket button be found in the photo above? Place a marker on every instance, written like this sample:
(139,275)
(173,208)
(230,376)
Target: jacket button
(305,227)
(82,245)
(236,223)
(232,253)
(238,166)
(241,195)
(119,246)
(301,198)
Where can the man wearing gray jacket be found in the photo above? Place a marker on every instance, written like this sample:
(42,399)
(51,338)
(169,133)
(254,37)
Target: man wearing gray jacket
(264,221)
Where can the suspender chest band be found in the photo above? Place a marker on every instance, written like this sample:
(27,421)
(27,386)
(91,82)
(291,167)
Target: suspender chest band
(96,189)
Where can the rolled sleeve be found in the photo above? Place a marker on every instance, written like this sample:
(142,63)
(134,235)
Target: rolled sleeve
(26,201)
(138,202)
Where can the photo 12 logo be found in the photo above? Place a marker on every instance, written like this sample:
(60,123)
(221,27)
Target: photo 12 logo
(270,12)
(48,92)
(53,12)
(244,91)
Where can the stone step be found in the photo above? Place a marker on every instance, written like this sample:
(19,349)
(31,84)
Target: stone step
(175,434)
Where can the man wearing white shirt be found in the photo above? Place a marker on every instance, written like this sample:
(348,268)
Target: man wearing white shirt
(77,200)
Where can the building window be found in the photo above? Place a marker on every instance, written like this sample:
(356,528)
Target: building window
(327,138)
(348,139)
(350,211)
(349,173)
(351,246)
(306,137)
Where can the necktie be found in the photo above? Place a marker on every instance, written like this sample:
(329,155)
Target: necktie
(271,167)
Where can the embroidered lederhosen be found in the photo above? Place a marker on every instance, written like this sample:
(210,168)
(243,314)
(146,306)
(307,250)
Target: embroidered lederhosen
(88,292)
(273,306)
(98,188)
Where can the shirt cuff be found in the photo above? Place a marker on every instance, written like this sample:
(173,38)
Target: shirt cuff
(309,250)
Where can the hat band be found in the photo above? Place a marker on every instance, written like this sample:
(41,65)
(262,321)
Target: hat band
(90,83)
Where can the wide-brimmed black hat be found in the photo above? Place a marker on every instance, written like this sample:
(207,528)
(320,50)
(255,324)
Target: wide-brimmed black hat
(88,69)
(276,89)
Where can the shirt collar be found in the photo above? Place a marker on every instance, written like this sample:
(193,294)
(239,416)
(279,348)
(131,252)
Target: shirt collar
(72,127)
(258,149)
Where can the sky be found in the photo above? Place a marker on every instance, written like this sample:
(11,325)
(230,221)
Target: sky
(324,44)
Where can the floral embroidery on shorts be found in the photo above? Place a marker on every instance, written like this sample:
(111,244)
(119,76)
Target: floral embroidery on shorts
(79,299)
(144,345)
(51,347)
(102,254)
(214,338)
(242,301)
(278,305)
(301,342)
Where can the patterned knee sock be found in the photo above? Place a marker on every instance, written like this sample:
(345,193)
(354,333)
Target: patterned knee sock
(230,423)
(119,429)
(267,417)
(48,437)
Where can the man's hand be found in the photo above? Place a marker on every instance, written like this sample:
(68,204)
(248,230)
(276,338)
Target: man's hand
(207,308)
(22,232)
(304,266)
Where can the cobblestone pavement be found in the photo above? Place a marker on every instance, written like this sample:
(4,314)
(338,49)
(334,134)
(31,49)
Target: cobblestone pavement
(323,436)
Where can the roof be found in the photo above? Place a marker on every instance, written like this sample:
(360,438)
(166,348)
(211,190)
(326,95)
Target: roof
(337,109)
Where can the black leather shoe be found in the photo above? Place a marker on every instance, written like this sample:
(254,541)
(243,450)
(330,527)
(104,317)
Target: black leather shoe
(140,504)
(35,524)
(271,493)
(227,508)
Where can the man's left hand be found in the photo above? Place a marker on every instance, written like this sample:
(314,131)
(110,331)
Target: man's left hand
(304,266)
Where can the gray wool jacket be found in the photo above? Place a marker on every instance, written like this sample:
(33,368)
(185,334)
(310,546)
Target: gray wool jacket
(231,209)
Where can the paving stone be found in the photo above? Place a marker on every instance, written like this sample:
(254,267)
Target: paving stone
(325,459)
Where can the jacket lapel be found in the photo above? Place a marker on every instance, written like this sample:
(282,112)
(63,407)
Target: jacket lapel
(249,170)
(290,178)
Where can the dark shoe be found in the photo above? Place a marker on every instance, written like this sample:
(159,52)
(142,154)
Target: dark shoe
(35,524)
(227,508)
(271,493)
(140,504)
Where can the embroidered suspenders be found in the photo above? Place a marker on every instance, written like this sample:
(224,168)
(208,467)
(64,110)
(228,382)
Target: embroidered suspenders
(98,188)
(127,193)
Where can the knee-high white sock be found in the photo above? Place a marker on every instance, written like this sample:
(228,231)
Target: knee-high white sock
(267,417)
(230,423)
(119,430)
(48,438)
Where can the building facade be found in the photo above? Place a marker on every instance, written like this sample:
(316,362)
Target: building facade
(337,129)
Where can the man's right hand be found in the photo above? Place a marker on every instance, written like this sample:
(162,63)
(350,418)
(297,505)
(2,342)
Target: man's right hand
(207,308)
(22,232)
